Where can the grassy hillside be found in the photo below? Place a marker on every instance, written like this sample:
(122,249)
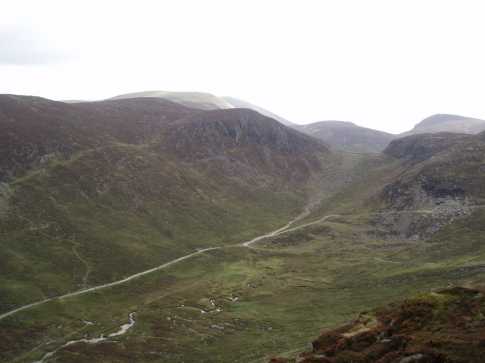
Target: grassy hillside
(131,184)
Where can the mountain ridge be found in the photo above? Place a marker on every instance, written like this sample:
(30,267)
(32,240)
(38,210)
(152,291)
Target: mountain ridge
(347,136)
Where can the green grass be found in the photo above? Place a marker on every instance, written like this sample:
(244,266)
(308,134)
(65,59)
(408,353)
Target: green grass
(286,297)
(111,212)
(289,288)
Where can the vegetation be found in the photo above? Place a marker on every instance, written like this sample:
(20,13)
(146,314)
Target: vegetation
(97,213)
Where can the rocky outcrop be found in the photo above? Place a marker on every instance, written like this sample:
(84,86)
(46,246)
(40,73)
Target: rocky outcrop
(417,148)
(441,180)
(443,326)
(244,144)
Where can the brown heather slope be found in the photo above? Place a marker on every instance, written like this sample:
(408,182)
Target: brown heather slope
(34,130)
(447,326)
(243,143)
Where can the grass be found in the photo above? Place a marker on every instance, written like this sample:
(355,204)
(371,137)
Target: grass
(288,288)
(123,210)
(285,297)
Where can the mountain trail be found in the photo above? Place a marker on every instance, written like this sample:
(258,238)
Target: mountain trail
(286,228)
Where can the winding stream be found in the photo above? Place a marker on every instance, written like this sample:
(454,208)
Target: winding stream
(122,330)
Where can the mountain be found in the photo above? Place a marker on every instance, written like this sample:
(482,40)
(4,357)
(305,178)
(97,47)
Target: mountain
(35,130)
(443,166)
(198,100)
(442,326)
(128,184)
(203,101)
(441,175)
(244,104)
(144,230)
(420,147)
(448,123)
(348,136)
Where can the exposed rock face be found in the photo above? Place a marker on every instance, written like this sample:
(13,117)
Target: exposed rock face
(243,143)
(347,136)
(444,326)
(417,148)
(441,181)
(237,103)
(216,132)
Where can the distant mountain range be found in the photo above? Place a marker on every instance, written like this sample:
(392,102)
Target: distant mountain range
(350,137)
(199,100)
(339,135)
(204,101)
(448,123)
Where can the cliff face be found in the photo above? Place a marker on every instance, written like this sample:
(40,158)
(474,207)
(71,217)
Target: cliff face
(442,179)
(443,326)
(417,148)
(242,143)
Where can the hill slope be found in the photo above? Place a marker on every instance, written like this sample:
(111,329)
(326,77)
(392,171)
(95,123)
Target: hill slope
(110,188)
(244,104)
(443,326)
(198,100)
(448,123)
(347,136)
(34,130)
(440,179)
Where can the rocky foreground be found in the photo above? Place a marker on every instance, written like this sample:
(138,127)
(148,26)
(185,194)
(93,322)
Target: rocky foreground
(444,326)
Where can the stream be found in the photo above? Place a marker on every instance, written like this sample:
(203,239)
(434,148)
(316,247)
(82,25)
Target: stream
(122,330)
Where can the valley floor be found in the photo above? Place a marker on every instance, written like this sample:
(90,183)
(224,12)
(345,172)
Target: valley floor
(237,304)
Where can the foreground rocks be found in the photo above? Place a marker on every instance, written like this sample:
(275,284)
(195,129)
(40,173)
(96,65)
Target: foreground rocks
(444,326)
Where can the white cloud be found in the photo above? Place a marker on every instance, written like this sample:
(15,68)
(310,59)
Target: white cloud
(380,63)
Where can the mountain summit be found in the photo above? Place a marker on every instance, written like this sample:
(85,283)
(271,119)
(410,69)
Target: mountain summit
(448,123)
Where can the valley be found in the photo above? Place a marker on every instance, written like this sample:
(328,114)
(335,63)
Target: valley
(219,234)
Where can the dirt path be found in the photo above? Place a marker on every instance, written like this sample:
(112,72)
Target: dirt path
(85,263)
(286,228)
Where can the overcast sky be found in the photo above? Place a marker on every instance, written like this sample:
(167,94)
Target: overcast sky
(382,64)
